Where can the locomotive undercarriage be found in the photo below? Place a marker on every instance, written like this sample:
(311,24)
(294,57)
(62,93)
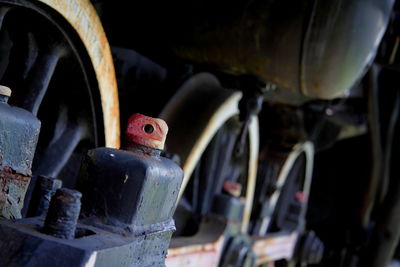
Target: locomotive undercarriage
(269,179)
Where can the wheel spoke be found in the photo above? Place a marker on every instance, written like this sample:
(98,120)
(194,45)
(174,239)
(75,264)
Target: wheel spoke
(193,188)
(209,168)
(22,56)
(39,78)
(58,152)
(67,136)
(32,62)
(227,168)
(215,166)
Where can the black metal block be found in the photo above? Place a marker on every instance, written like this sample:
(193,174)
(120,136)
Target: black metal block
(136,189)
(23,244)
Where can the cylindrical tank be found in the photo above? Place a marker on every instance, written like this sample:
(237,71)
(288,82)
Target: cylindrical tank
(308,48)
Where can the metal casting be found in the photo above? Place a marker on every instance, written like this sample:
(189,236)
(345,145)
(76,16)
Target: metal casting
(128,201)
(19,132)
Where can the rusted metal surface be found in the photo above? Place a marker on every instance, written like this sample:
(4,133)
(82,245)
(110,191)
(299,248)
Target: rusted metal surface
(63,214)
(13,187)
(19,132)
(146,131)
(195,255)
(83,18)
(207,247)
(274,247)
(128,201)
(203,249)
(132,192)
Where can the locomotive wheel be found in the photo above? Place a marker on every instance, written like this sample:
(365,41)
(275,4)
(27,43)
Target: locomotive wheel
(291,181)
(208,162)
(56,59)
(203,123)
(203,119)
(280,205)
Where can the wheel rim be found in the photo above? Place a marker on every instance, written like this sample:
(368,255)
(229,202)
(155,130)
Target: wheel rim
(54,76)
(292,172)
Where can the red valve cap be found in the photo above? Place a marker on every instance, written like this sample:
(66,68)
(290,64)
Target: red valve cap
(232,188)
(146,131)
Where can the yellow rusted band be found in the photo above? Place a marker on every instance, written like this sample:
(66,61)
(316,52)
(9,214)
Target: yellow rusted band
(83,18)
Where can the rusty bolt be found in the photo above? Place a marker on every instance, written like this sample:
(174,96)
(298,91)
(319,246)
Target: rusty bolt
(63,214)
(146,131)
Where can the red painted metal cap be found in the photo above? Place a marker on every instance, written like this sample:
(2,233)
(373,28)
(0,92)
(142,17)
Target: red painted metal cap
(146,131)
(232,188)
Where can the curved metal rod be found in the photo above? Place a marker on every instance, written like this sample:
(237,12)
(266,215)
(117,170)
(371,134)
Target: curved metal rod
(254,141)
(39,79)
(222,115)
